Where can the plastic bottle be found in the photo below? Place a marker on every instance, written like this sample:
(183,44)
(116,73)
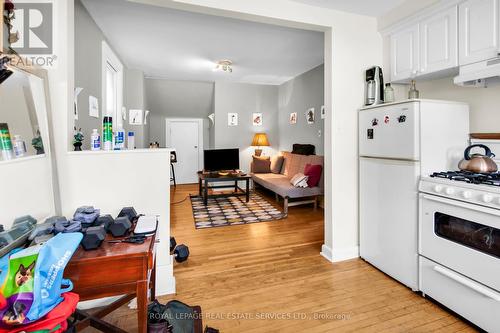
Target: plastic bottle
(119,138)
(95,141)
(107,133)
(5,142)
(131,140)
(388,93)
(19,146)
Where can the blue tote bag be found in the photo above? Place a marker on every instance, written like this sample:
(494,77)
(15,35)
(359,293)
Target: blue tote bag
(34,280)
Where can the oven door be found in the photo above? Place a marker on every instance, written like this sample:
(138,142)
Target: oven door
(462,237)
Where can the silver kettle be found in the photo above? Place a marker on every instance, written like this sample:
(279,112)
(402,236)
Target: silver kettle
(478,163)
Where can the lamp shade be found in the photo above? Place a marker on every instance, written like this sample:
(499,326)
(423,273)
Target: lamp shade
(260,140)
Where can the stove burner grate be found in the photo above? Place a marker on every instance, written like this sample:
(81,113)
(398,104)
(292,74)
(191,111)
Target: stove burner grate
(492,179)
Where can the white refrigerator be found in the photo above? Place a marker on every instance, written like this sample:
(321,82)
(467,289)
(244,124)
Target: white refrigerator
(398,142)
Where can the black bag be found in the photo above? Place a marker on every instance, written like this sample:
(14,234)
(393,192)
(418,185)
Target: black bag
(157,318)
(301,149)
(174,317)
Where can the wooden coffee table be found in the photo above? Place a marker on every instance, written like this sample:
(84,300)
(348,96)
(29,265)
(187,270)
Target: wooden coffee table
(205,178)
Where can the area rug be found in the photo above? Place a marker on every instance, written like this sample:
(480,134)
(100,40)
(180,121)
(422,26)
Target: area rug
(233,210)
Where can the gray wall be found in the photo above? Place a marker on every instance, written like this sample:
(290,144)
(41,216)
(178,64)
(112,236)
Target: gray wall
(178,99)
(88,58)
(88,75)
(245,99)
(133,98)
(299,95)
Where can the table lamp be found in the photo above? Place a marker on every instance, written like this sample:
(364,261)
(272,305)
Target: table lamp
(260,140)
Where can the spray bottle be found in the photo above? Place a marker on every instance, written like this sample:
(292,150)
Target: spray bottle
(5,142)
(107,133)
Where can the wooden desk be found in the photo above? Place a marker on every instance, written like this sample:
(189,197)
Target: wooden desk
(112,270)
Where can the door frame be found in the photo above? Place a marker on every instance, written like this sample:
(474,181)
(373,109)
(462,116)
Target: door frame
(169,121)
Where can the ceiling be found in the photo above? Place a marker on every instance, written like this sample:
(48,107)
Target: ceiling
(179,45)
(374,8)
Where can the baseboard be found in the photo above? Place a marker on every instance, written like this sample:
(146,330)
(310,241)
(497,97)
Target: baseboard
(337,255)
(326,252)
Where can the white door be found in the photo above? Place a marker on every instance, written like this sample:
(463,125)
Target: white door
(404,54)
(479,29)
(184,137)
(439,42)
(388,209)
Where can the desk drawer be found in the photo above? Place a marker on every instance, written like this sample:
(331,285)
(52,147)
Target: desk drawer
(468,298)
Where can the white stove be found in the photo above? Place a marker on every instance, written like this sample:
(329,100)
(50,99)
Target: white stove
(459,244)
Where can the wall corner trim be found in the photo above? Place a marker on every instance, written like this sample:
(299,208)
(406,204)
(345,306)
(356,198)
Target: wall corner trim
(326,252)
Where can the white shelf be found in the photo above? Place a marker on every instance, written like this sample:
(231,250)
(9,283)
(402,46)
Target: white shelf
(119,152)
(23,159)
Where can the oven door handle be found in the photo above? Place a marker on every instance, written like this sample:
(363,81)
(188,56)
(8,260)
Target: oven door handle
(468,283)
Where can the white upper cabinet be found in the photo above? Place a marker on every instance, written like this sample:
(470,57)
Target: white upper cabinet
(479,30)
(404,53)
(439,42)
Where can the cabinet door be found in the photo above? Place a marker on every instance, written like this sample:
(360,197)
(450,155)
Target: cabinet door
(439,42)
(479,29)
(404,54)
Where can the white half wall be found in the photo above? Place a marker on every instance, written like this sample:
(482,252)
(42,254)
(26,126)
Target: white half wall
(117,179)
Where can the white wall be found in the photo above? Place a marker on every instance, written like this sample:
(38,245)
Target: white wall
(484,112)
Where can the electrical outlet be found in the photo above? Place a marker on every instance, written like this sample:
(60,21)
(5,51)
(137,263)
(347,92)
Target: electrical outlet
(319,133)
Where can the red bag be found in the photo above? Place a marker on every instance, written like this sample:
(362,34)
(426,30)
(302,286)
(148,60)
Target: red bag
(58,316)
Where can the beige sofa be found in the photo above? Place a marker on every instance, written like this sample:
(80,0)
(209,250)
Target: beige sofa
(280,183)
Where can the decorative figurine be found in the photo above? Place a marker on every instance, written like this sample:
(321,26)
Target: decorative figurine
(78,139)
(37,143)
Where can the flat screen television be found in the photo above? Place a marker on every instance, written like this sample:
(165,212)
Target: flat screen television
(221,159)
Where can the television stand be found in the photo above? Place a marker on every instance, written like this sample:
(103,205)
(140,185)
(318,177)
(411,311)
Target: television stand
(204,180)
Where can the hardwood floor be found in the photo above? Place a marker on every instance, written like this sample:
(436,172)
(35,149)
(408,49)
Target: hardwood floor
(269,277)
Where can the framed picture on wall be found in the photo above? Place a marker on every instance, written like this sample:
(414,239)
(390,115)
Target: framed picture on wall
(135,117)
(257,119)
(310,116)
(232,119)
(323,112)
(293,118)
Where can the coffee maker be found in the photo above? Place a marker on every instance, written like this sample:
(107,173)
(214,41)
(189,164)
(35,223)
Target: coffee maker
(374,86)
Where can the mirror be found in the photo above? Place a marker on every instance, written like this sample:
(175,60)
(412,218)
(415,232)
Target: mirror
(26,165)
(20,133)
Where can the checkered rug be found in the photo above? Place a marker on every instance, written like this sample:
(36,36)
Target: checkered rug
(225,211)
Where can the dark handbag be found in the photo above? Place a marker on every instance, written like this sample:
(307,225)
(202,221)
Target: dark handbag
(174,317)
(301,149)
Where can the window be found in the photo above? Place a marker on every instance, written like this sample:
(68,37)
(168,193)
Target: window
(468,233)
(112,85)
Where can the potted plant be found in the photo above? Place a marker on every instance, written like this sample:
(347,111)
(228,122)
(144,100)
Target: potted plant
(78,139)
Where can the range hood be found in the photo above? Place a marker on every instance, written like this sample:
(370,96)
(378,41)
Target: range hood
(480,74)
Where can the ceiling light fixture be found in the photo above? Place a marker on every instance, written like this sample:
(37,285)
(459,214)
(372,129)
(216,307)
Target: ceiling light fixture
(224,65)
